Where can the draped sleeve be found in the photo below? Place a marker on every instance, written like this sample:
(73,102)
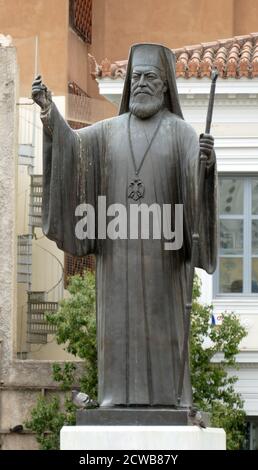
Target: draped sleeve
(70,178)
(189,153)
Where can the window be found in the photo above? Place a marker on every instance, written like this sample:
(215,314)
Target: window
(81,18)
(237,271)
(77,265)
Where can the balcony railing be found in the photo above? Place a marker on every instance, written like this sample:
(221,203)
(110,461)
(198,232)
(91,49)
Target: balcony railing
(36,200)
(24,259)
(37,326)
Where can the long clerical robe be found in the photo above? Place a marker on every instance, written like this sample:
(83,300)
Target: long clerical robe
(141,288)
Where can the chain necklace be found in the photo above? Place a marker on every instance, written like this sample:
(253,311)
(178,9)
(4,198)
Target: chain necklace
(136,188)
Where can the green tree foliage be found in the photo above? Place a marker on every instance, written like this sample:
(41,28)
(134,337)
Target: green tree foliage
(49,414)
(213,388)
(75,321)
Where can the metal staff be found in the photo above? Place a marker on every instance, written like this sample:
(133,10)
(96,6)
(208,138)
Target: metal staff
(195,242)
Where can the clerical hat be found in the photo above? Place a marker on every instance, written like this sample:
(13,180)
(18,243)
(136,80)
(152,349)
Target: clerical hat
(155,55)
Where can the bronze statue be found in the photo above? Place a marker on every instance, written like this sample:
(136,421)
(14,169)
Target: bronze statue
(147,154)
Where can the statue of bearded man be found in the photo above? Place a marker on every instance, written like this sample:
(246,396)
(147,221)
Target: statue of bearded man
(147,154)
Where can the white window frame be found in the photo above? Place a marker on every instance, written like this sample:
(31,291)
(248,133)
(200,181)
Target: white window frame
(247,256)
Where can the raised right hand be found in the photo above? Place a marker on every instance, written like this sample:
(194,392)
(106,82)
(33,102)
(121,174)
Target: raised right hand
(40,94)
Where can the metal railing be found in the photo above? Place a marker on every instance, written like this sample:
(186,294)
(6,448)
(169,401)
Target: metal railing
(37,325)
(36,190)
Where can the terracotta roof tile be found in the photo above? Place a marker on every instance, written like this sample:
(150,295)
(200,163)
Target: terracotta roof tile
(234,58)
(182,65)
(194,63)
(232,62)
(245,63)
(207,62)
(221,60)
(254,63)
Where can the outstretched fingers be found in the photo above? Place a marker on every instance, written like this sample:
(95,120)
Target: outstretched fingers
(37,85)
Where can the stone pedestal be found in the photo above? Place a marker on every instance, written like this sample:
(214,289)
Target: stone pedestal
(136,416)
(139,429)
(142,438)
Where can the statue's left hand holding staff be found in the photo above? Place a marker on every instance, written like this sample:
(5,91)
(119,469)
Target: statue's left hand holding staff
(206,148)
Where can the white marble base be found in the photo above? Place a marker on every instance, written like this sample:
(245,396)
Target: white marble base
(142,438)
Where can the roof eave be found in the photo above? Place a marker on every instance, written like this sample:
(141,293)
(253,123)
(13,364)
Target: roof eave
(112,89)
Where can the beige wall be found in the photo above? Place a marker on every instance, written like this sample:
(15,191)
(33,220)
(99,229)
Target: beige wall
(116,25)
(175,23)
(23,20)
(77,60)
(245,16)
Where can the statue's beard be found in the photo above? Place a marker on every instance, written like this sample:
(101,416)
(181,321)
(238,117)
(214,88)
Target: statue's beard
(144,105)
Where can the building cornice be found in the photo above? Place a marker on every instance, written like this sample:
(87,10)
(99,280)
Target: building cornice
(236,60)
(239,305)
(243,358)
(228,93)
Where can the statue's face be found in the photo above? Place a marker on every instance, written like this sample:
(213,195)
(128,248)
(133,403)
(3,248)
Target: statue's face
(147,80)
(147,91)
